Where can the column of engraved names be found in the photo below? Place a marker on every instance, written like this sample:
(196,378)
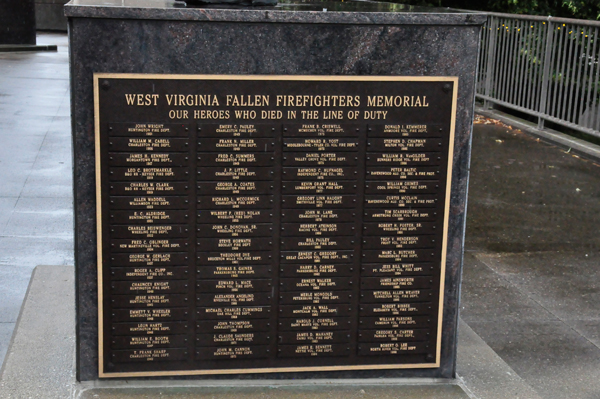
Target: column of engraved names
(400,241)
(318,227)
(234,240)
(149,224)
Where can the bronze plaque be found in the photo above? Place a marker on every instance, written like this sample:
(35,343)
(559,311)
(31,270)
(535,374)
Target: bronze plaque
(257,224)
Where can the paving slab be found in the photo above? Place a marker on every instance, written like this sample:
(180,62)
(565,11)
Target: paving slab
(550,356)
(7,206)
(483,373)
(6,331)
(349,390)
(29,251)
(13,284)
(525,195)
(16,150)
(566,284)
(44,346)
(489,295)
(14,176)
(41,217)
(34,369)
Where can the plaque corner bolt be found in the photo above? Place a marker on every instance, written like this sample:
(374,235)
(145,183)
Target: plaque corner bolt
(105,84)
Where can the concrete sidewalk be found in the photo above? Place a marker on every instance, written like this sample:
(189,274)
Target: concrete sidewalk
(35,171)
(531,285)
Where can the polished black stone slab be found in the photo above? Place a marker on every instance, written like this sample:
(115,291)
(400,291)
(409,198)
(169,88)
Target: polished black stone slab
(316,38)
(17,22)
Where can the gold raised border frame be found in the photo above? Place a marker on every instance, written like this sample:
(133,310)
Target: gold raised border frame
(98,76)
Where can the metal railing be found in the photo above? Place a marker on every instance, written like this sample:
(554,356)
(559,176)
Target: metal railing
(542,66)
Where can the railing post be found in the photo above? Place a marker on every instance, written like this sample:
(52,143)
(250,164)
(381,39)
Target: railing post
(548,57)
(489,68)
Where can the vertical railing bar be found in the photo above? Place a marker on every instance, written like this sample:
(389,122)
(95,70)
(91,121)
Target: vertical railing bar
(558,72)
(493,60)
(478,69)
(490,57)
(569,87)
(480,57)
(566,74)
(526,66)
(508,61)
(484,54)
(582,59)
(523,72)
(531,66)
(555,71)
(575,75)
(513,62)
(524,55)
(518,52)
(545,76)
(595,91)
(539,35)
(502,81)
(540,64)
(565,87)
(590,79)
(501,60)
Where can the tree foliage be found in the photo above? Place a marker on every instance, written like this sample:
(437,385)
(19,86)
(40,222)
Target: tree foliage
(580,9)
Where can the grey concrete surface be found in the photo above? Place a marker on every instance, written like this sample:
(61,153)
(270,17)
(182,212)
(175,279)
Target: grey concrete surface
(531,284)
(566,142)
(34,369)
(531,277)
(483,373)
(35,171)
(39,363)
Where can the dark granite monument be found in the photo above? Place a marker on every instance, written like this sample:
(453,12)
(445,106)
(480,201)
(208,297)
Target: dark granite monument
(50,15)
(269,192)
(17,22)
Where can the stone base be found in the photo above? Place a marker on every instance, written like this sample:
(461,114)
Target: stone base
(5,48)
(50,15)
(40,363)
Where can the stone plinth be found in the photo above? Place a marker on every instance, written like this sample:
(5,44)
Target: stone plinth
(294,38)
(17,22)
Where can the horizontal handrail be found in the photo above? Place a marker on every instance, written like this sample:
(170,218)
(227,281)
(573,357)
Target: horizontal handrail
(546,67)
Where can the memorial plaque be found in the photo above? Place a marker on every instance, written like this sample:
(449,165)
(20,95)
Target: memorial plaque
(227,202)
(233,326)
(235,159)
(153,314)
(148,144)
(313,350)
(320,158)
(406,130)
(152,341)
(403,158)
(234,312)
(256,224)
(246,130)
(314,337)
(319,187)
(224,216)
(237,339)
(245,271)
(148,188)
(236,187)
(391,335)
(149,273)
(149,216)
